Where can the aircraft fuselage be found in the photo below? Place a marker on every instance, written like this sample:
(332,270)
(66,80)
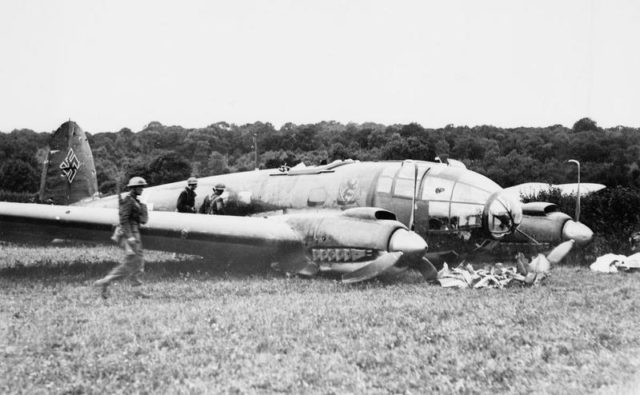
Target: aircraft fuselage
(450,201)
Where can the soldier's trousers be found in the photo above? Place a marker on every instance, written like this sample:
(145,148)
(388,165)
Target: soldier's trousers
(133,264)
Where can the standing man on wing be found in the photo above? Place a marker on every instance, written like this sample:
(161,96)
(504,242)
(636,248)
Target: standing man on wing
(214,204)
(187,199)
(132,213)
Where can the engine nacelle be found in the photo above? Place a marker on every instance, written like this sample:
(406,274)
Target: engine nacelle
(346,243)
(358,229)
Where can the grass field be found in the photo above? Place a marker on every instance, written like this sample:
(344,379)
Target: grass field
(229,330)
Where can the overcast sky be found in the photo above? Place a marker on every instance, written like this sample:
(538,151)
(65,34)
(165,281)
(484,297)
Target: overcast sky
(113,64)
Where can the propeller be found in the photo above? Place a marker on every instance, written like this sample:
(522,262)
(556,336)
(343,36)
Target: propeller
(413,247)
(293,260)
(427,269)
(373,269)
(406,249)
(561,250)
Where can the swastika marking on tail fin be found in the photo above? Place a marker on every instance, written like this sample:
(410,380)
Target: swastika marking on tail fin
(70,165)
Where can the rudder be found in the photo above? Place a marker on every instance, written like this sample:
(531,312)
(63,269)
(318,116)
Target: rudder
(69,173)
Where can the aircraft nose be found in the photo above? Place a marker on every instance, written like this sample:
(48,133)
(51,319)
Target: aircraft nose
(403,240)
(577,231)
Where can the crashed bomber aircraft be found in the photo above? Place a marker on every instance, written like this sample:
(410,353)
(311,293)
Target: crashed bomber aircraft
(334,218)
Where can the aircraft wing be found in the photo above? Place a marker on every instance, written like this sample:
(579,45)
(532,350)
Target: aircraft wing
(211,236)
(307,244)
(534,188)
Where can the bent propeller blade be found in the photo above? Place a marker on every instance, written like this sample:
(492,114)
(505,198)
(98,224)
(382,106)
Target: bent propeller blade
(558,253)
(427,269)
(373,269)
(528,236)
(296,262)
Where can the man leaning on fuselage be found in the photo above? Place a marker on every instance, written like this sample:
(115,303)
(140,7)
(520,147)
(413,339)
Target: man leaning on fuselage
(214,203)
(187,199)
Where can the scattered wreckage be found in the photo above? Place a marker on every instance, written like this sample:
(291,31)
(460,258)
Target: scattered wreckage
(524,273)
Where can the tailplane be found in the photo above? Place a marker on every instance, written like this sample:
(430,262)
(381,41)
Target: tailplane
(69,173)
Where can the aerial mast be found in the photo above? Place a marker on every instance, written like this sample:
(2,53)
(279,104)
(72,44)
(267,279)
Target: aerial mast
(578,192)
(255,150)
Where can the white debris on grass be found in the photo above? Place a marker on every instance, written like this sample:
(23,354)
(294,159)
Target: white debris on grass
(613,263)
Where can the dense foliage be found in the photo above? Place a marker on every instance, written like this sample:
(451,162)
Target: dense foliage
(508,156)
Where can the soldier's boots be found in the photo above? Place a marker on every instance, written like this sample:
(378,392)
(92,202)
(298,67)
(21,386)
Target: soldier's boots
(135,283)
(140,294)
(103,284)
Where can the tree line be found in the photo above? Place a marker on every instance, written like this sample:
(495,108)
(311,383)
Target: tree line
(509,156)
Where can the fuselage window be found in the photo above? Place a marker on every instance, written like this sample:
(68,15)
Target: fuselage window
(390,170)
(465,215)
(479,181)
(469,194)
(408,171)
(437,191)
(385,180)
(435,188)
(406,179)
(439,215)
(404,187)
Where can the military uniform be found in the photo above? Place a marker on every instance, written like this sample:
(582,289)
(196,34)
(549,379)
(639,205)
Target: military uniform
(132,214)
(213,204)
(186,201)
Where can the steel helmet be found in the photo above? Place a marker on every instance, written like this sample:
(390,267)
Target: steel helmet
(219,187)
(136,182)
(192,181)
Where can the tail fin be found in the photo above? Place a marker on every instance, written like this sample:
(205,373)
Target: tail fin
(69,173)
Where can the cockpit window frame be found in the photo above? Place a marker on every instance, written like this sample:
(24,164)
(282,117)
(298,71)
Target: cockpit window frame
(385,179)
(423,170)
(453,182)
